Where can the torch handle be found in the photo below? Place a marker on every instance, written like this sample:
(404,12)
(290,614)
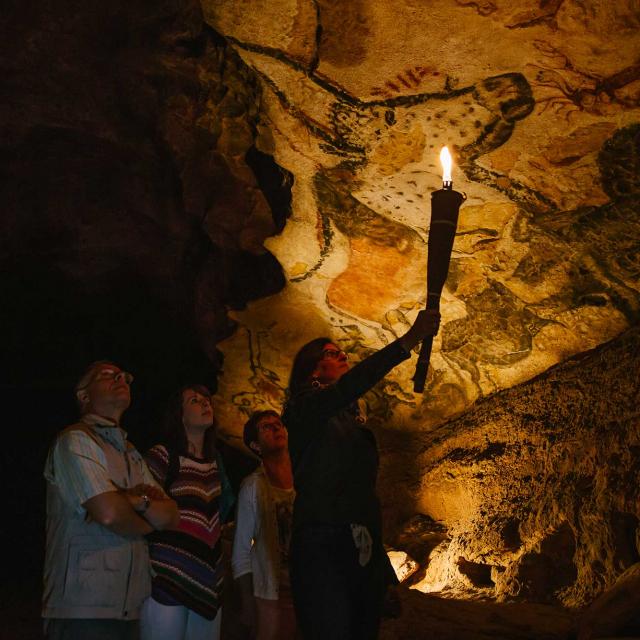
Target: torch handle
(445,205)
(422,366)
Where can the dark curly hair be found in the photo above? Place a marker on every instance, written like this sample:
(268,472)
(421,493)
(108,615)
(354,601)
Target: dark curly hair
(250,431)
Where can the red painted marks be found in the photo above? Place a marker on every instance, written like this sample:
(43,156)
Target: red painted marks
(413,78)
(410,78)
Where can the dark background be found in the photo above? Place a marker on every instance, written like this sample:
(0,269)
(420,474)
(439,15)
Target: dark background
(52,331)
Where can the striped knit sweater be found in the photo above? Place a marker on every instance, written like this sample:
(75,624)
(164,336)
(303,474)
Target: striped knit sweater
(186,563)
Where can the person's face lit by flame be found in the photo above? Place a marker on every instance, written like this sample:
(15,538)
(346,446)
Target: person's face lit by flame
(332,365)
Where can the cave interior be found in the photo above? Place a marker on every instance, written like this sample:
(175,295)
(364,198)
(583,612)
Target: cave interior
(195,188)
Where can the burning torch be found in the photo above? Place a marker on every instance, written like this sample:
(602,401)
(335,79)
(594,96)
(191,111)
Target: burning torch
(445,205)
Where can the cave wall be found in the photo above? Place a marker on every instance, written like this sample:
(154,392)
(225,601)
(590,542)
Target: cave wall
(540,107)
(133,214)
(134,207)
(537,487)
(137,169)
(151,151)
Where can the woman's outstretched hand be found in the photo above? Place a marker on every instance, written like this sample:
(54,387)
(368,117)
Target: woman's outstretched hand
(426,324)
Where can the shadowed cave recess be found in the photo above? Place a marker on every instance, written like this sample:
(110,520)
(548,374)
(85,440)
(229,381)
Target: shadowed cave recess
(194,189)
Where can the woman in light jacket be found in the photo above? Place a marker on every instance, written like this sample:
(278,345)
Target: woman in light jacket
(260,555)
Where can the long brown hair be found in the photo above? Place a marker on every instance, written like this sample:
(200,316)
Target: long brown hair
(175,436)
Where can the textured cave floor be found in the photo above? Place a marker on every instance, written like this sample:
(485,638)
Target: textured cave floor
(424,616)
(430,617)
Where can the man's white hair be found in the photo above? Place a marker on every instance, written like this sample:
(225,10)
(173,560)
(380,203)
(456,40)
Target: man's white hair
(87,378)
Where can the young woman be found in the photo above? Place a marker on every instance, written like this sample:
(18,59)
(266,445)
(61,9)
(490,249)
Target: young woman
(186,563)
(339,569)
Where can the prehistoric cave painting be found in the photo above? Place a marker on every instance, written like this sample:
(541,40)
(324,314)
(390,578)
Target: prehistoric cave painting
(508,95)
(594,252)
(597,247)
(533,13)
(530,276)
(410,78)
(567,90)
(386,260)
(467,342)
(375,195)
(356,220)
(473,120)
(267,390)
(605,240)
(384,143)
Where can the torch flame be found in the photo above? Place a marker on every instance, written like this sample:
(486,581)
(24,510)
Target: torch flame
(445,160)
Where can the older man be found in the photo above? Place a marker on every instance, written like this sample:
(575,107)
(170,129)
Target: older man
(101,501)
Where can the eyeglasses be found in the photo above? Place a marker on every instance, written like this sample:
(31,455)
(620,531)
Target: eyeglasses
(333,354)
(116,376)
(270,426)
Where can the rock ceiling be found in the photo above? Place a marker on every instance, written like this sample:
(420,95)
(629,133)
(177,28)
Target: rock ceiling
(136,208)
(540,106)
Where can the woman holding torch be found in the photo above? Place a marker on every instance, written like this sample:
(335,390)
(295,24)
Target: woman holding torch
(339,569)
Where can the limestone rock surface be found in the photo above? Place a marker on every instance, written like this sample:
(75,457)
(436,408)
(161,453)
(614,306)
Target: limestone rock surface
(616,613)
(540,107)
(425,617)
(183,180)
(536,489)
(131,187)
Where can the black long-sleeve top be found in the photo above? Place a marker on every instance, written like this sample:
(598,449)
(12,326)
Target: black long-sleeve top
(335,458)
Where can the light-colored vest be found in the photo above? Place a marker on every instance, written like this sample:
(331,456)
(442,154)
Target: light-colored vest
(91,572)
